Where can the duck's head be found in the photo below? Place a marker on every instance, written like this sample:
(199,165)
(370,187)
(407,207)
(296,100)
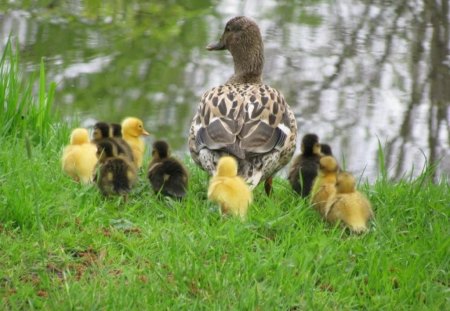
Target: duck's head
(345,183)
(101,130)
(79,136)
(310,144)
(160,149)
(106,149)
(133,127)
(325,149)
(227,167)
(242,38)
(328,164)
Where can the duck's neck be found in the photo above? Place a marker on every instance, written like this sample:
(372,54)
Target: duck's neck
(248,64)
(130,137)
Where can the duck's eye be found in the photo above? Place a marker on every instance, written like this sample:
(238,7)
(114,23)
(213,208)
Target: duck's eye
(227,28)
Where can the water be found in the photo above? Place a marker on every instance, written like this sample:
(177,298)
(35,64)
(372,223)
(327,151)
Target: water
(357,73)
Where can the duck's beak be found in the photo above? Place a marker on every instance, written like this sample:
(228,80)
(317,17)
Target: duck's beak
(216,46)
(145,133)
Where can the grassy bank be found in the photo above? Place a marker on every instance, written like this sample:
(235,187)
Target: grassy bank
(63,246)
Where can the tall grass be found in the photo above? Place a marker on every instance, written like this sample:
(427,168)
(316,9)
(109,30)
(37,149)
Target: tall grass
(22,114)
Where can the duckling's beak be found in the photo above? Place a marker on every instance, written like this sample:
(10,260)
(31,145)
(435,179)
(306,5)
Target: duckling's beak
(216,46)
(145,133)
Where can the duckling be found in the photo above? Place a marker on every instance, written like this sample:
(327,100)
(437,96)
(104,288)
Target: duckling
(348,205)
(113,133)
(230,190)
(244,117)
(116,173)
(116,130)
(132,129)
(79,158)
(167,175)
(305,166)
(325,150)
(324,184)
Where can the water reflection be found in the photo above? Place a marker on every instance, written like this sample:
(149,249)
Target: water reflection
(355,72)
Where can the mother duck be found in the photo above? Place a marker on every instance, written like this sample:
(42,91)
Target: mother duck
(244,117)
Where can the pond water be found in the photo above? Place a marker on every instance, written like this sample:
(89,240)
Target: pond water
(360,74)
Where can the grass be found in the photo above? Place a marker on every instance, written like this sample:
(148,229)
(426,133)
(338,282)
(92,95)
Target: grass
(63,246)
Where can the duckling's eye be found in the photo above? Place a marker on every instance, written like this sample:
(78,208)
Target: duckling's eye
(227,28)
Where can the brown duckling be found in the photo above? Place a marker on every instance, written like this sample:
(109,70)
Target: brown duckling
(325,150)
(113,133)
(305,166)
(230,190)
(132,130)
(166,174)
(79,158)
(348,205)
(325,183)
(116,173)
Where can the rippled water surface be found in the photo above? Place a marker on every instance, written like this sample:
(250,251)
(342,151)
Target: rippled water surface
(358,73)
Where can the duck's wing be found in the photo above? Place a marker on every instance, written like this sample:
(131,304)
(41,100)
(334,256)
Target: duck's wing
(242,119)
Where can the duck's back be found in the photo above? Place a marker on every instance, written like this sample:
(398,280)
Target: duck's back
(303,172)
(245,120)
(79,161)
(231,192)
(117,175)
(352,208)
(168,177)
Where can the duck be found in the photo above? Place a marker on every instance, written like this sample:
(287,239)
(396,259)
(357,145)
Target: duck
(305,166)
(167,175)
(244,117)
(324,186)
(132,130)
(79,157)
(230,190)
(116,173)
(113,133)
(325,150)
(349,205)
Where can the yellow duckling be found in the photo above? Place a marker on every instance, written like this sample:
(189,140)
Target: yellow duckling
(325,183)
(113,133)
(79,158)
(132,129)
(166,174)
(349,205)
(230,190)
(305,166)
(116,173)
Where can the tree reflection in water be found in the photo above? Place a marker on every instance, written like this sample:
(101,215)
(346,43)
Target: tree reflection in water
(355,72)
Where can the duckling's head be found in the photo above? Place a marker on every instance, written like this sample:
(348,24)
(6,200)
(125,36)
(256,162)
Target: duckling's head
(101,130)
(345,183)
(115,130)
(160,149)
(133,127)
(227,167)
(106,149)
(328,164)
(325,149)
(79,136)
(242,38)
(310,144)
